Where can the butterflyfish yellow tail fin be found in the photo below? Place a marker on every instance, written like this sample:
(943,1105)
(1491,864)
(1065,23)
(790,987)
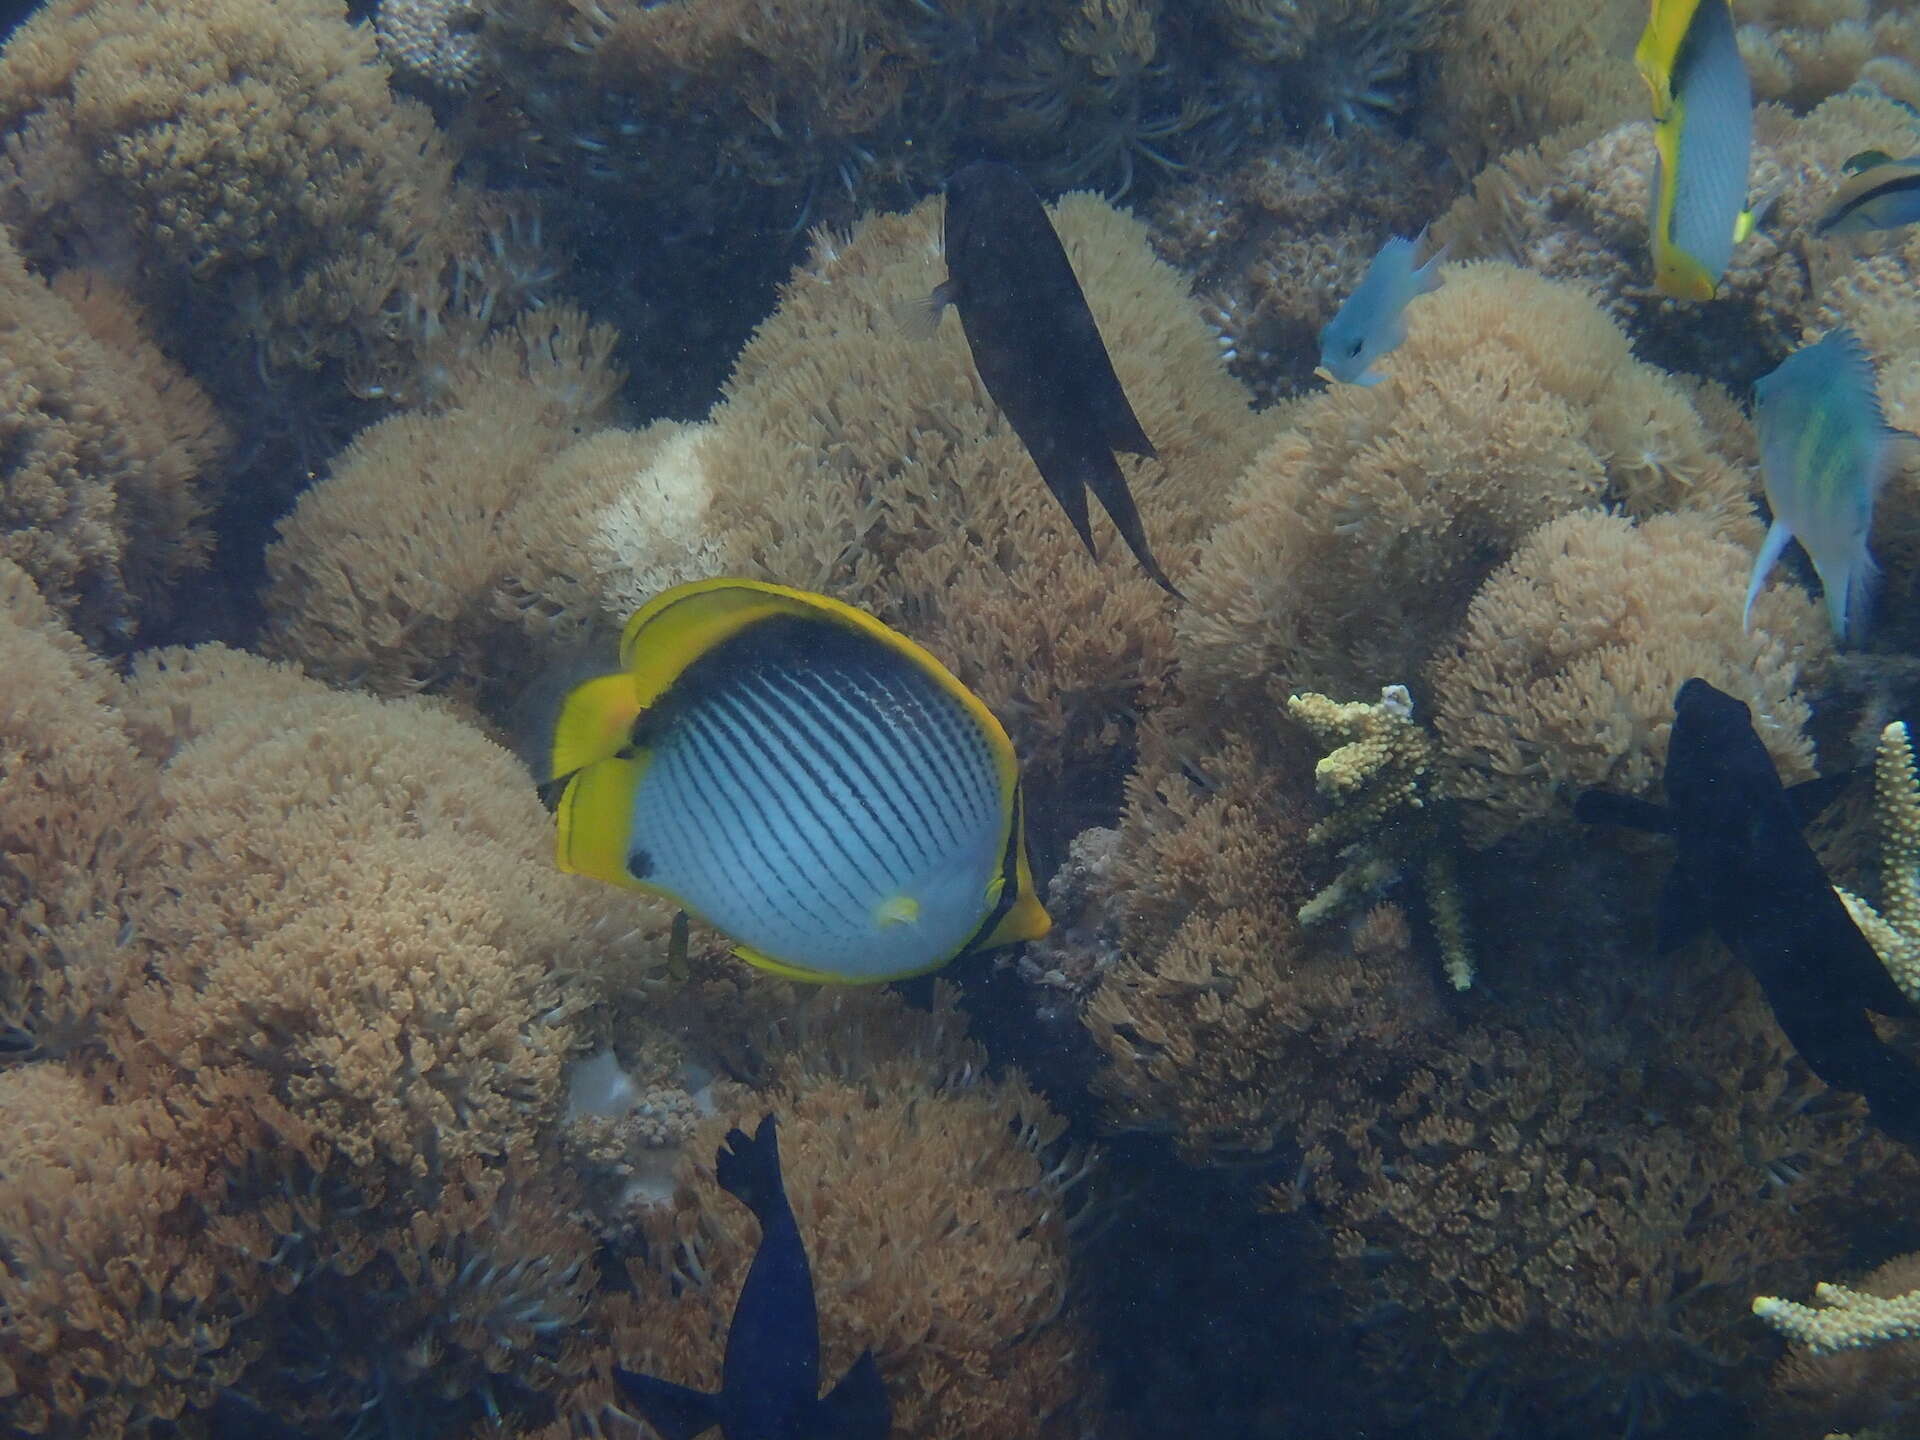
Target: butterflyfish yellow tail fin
(596,723)
(595,816)
(1026,918)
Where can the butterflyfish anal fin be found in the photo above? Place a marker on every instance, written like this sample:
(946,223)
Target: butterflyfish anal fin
(787,970)
(596,723)
(593,823)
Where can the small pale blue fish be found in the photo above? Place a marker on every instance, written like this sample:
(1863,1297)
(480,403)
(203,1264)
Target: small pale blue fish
(1703,143)
(1879,194)
(801,777)
(1373,319)
(1825,451)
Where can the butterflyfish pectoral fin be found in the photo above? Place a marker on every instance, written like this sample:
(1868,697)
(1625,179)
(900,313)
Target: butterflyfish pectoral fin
(596,723)
(593,825)
(900,910)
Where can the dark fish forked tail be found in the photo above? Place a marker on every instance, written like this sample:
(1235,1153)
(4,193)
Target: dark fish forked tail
(675,1411)
(857,1408)
(748,1168)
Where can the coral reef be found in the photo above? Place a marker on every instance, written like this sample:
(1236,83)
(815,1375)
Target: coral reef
(1800,52)
(294,230)
(1565,1224)
(412,565)
(1225,1018)
(1513,73)
(1853,1364)
(1376,778)
(109,454)
(1352,545)
(74,791)
(1894,928)
(1563,675)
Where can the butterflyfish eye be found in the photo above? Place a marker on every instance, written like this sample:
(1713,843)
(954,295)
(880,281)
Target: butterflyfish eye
(639,864)
(1354,349)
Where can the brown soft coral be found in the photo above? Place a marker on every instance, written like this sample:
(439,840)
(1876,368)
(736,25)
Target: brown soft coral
(409,852)
(118,1311)
(852,458)
(248,169)
(1512,71)
(1354,542)
(1226,1017)
(412,565)
(105,449)
(1564,673)
(74,799)
(1800,52)
(935,1206)
(1553,1226)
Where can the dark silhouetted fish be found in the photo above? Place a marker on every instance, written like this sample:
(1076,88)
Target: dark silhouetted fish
(1743,868)
(1038,350)
(770,1379)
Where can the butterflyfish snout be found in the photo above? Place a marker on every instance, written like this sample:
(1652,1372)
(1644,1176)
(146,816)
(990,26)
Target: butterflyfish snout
(801,777)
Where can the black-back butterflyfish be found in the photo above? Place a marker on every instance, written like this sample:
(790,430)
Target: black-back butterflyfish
(802,778)
(1703,143)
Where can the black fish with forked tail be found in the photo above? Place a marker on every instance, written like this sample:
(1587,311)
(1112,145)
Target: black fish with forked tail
(1742,867)
(1038,350)
(770,1378)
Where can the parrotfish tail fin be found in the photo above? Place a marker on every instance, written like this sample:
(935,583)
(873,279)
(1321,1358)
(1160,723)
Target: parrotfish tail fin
(1070,490)
(675,1411)
(749,1169)
(1777,537)
(857,1408)
(1111,486)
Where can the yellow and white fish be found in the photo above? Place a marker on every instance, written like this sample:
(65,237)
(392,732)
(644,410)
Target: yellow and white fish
(1825,452)
(802,778)
(1703,141)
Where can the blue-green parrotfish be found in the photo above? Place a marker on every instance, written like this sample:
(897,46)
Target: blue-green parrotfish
(1878,194)
(1039,352)
(1825,452)
(1742,868)
(770,1378)
(800,777)
(1372,321)
(1703,143)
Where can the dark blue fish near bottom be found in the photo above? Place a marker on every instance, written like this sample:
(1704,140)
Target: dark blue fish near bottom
(770,1379)
(1742,867)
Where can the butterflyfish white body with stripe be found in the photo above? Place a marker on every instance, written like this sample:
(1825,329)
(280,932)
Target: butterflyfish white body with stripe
(802,778)
(1689,56)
